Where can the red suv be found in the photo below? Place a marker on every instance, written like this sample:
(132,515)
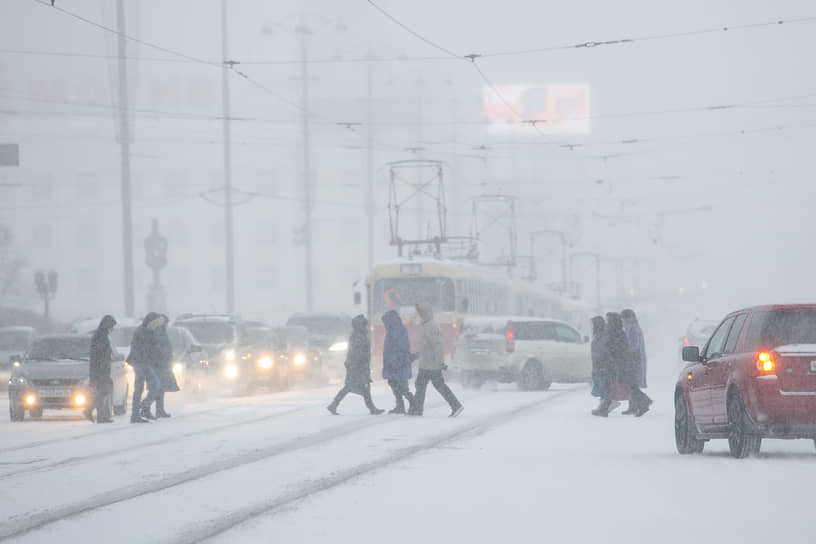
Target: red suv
(755,378)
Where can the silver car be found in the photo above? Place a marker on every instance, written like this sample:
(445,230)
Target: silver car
(14,341)
(53,374)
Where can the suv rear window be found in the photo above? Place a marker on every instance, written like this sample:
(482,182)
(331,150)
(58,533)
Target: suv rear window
(781,328)
(534,330)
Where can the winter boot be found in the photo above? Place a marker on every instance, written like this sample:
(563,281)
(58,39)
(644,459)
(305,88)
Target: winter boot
(630,410)
(613,407)
(397,410)
(377,411)
(456,410)
(162,413)
(136,418)
(332,408)
(603,409)
(644,407)
(146,413)
(88,413)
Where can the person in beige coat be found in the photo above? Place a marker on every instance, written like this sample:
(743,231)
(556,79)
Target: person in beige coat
(431,355)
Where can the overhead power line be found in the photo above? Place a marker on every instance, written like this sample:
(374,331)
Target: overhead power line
(415,33)
(127,36)
(652,37)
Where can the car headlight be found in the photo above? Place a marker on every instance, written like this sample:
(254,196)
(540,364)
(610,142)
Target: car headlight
(265,362)
(178,368)
(229,354)
(80,399)
(17,363)
(231,371)
(299,359)
(339,346)
(18,380)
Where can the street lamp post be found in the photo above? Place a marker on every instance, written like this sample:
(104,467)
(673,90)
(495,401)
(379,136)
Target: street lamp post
(562,238)
(597,259)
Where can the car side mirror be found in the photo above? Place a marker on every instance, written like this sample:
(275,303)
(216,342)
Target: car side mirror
(691,354)
(358,298)
(16,360)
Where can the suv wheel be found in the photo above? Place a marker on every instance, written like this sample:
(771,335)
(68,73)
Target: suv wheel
(684,436)
(16,412)
(741,442)
(532,377)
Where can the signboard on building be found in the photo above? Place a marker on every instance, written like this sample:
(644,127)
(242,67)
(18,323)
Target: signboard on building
(9,155)
(555,109)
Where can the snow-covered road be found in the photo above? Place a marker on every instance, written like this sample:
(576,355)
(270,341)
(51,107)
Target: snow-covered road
(277,467)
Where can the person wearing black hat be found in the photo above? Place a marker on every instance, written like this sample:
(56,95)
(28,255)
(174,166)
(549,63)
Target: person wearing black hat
(99,370)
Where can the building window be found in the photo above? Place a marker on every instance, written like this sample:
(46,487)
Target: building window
(266,233)
(43,237)
(86,280)
(267,278)
(42,187)
(86,236)
(87,186)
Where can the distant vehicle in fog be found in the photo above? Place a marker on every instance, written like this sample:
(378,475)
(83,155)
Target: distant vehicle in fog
(14,341)
(305,362)
(698,333)
(328,337)
(754,378)
(54,374)
(533,352)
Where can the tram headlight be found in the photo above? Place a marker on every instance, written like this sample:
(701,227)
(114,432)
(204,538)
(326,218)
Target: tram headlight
(299,359)
(265,362)
(231,371)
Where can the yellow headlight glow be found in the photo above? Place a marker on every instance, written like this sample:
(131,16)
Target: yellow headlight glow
(30,400)
(178,368)
(231,371)
(80,399)
(300,359)
(265,362)
(229,355)
(339,346)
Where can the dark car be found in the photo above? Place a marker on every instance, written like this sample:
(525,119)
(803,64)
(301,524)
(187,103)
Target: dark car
(755,378)
(14,341)
(328,338)
(261,361)
(53,374)
(295,348)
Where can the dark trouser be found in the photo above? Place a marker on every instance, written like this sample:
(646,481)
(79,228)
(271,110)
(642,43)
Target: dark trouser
(637,398)
(401,391)
(366,393)
(144,375)
(160,403)
(102,400)
(435,377)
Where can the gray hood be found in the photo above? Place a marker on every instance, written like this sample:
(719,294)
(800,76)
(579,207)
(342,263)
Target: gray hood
(63,369)
(425,311)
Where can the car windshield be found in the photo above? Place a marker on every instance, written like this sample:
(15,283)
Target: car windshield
(324,325)
(52,349)
(292,337)
(211,332)
(256,336)
(533,330)
(14,341)
(122,336)
(396,293)
(785,327)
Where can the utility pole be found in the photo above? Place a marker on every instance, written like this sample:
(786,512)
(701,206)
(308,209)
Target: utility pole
(124,153)
(229,250)
(303,30)
(370,165)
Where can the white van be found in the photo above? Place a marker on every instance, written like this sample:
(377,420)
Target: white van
(533,352)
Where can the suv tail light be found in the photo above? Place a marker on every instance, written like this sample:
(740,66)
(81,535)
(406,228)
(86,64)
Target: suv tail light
(510,338)
(457,327)
(765,363)
(686,341)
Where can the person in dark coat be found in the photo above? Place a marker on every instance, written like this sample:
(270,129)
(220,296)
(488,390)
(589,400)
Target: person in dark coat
(397,359)
(358,367)
(639,402)
(616,350)
(164,366)
(99,370)
(142,358)
(602,371)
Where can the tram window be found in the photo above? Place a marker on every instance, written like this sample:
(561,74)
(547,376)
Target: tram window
(395,293)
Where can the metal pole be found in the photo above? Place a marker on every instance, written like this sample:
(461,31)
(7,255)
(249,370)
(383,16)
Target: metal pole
(598,280)
(124,147)
(307,182)
(370,112)
(564,278)
(229,258)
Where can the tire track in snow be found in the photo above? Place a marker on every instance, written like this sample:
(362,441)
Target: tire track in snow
(141,445)
(18,527)
(207,530)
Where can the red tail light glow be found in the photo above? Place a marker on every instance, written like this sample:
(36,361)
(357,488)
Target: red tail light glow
(510,338)
(765,362)
(686,341)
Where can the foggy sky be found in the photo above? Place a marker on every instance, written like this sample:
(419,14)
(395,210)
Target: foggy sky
(752,246)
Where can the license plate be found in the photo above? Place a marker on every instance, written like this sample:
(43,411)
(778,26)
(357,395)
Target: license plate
(52,393)
(813,366)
